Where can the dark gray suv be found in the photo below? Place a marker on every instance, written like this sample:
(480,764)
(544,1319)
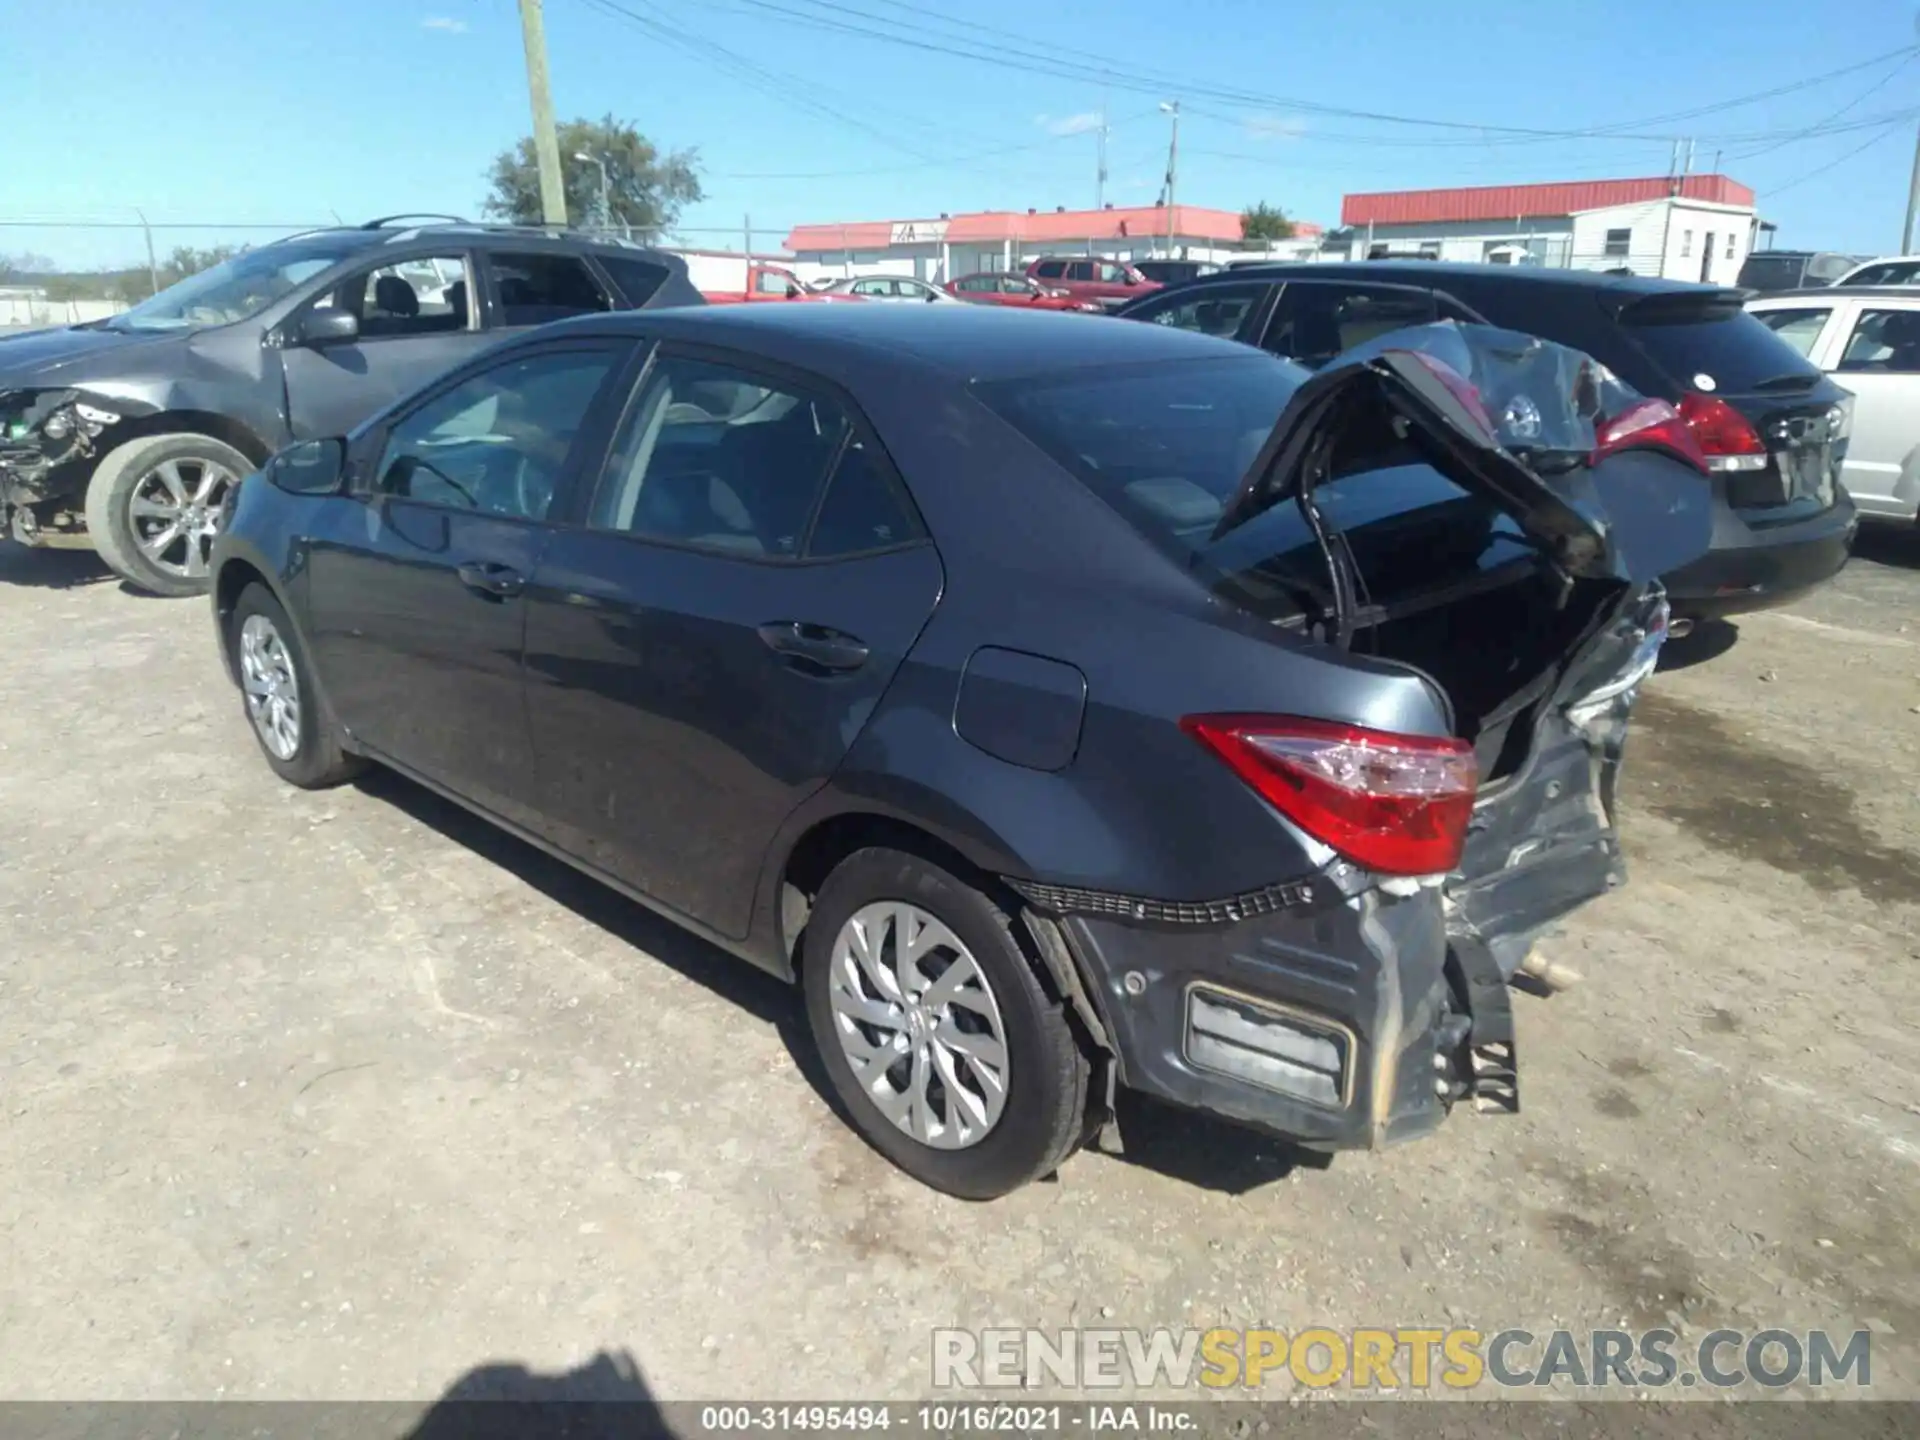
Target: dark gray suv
(126,433)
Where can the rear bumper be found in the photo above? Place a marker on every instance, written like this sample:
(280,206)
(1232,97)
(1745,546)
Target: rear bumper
(1751,568)
(1366,974)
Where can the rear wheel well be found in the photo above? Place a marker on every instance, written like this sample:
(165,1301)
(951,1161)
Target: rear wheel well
(823,847)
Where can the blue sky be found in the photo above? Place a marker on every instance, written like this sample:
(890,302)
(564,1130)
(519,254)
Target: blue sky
(287,112)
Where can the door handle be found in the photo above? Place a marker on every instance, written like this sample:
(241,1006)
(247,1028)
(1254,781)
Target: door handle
(815,645)
(496,582)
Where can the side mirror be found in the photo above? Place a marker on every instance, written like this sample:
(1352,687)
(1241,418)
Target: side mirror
(313,467)
(328,326)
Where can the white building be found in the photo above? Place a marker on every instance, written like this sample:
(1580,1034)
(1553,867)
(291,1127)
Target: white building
(1699,227)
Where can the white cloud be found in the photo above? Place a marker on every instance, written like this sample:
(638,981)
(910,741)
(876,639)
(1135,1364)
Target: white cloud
(1274,127)
(1069,124)
(446,23)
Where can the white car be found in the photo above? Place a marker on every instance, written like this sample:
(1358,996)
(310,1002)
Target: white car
(1887,270)
(889,288)
(1868,339)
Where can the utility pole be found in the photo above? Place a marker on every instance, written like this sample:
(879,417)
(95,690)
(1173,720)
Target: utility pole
(153,271)
(1913,198)
(1100,172)
(546,145)
(747,233)
(1172,107)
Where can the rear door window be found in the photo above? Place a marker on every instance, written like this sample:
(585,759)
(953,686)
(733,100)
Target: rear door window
(535,287)
(1050,269)
(715,457)
(864,509)
(1884,342)
(1799,328)
(1711,344)
(1229,311)
(1314,320)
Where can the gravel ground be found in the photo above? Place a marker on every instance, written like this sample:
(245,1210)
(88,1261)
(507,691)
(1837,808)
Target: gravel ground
(344,1095)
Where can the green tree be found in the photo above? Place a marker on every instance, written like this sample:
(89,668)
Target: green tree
(646,189)
(1265,222)
(186,260)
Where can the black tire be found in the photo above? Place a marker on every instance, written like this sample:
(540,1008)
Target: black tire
(114,528)
(317,761)
(1047,1072)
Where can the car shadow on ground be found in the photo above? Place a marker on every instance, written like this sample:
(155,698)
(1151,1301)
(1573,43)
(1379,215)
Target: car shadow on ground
(1897,544)
(606,1397)
(51,569)
(1207,1153)
(1709,640)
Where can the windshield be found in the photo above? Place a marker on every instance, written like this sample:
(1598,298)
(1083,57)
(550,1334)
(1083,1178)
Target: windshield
(234,289)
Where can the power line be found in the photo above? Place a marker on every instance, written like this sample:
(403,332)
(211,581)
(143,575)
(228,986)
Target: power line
(753,75)
(1814,174)
(1872,89)
(823,14)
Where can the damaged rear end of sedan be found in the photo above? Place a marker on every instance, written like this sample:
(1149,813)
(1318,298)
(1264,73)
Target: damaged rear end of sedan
(1450,541)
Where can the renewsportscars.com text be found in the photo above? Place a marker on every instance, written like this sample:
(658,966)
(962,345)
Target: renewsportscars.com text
(1402,1358)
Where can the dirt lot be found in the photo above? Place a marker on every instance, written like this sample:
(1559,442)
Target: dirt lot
(344,1094)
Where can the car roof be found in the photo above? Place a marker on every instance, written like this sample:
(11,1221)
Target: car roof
(366,237)
(1433,274)
(1801,299)
(972,342)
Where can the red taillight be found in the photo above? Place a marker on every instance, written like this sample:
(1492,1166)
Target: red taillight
(1726,439)
(1650,424)
(1461,388)
(1395,804)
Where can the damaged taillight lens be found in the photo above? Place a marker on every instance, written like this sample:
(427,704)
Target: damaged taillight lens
(1394,804)
(1650,425)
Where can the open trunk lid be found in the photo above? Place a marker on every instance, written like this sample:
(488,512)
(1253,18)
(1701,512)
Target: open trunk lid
(1509,415)
(1539,655)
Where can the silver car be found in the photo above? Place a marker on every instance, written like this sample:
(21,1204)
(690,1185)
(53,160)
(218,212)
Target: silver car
(889,287)
(1869,340)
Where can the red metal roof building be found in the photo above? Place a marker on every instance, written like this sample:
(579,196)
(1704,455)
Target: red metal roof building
(1694,227)
(990,239)
(1508,202)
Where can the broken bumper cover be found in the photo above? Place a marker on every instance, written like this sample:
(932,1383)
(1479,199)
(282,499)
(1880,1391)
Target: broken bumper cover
(1326,1020)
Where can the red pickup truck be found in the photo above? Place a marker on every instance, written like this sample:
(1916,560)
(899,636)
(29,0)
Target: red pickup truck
(1107,283)
(741,282)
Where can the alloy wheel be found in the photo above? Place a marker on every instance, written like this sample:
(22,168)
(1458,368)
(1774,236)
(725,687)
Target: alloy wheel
(271,686)
(174,513)
(919,1024)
